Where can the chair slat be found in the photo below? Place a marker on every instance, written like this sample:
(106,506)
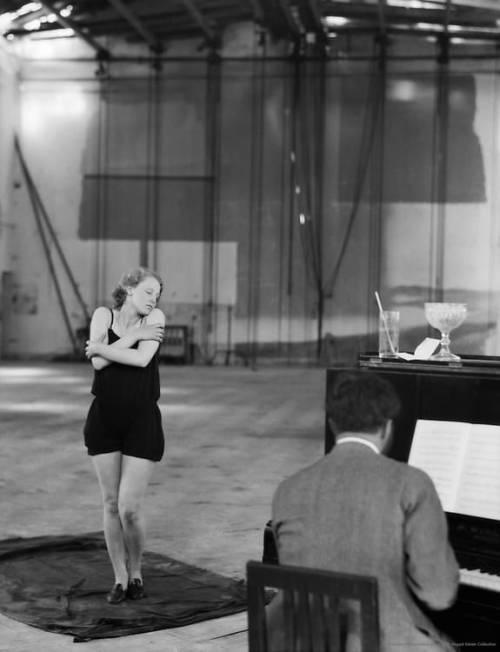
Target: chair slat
(319,624)
(289,622)
(303,619)
(333,618)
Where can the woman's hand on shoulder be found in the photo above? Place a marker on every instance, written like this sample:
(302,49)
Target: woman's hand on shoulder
(154,327)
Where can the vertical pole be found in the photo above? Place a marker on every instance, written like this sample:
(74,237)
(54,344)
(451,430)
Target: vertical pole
(256,198)
(149,181)
(102,189)
(229,338)
(319,203)
(156,178)
(286,199)
(294,181)
(212,163)
(377,200)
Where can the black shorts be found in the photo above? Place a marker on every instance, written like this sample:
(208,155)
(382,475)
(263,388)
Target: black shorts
(137,433)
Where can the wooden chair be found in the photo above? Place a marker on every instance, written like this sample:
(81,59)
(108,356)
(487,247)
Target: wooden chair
(312,620)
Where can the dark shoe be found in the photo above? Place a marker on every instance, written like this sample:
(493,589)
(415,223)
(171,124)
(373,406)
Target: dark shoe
(135,589)
(116,595)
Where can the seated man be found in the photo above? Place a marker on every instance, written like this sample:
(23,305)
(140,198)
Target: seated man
(357,511)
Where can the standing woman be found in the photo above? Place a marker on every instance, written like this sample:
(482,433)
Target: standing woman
(123,431)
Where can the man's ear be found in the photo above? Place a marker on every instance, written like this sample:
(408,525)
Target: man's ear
(387,432)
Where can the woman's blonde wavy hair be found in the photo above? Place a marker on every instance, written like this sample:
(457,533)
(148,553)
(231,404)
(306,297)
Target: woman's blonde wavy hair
(131,279)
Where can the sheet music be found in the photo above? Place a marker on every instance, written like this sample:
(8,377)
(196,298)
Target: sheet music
(463,460)
(479,491)
(438,448)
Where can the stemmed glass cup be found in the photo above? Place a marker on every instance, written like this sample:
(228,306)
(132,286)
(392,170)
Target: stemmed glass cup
(445,317)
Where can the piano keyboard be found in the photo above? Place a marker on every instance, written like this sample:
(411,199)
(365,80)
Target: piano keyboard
(480,579)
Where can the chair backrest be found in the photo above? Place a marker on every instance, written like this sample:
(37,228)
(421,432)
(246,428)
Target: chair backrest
(313,603)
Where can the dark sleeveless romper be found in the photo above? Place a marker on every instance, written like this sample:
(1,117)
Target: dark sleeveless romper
(124,415)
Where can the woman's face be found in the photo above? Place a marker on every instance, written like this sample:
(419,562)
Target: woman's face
(145,295)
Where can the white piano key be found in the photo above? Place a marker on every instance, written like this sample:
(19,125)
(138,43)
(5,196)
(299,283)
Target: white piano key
(476,577)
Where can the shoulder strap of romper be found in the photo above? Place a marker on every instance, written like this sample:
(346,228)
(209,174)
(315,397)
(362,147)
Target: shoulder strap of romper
(112,317)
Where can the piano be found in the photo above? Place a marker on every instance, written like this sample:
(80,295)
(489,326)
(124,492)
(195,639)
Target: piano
(469,392)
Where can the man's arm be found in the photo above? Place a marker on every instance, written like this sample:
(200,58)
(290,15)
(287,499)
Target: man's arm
(139,357)
(431,568)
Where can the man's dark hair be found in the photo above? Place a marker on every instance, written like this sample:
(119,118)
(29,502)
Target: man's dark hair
(361,402)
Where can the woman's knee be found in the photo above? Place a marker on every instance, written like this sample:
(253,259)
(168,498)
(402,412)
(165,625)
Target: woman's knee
(129,512)
(110,504)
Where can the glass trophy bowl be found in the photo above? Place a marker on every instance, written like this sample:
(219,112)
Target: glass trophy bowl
(445,317)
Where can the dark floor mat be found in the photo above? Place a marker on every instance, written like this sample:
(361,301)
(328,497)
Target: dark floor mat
(59,584)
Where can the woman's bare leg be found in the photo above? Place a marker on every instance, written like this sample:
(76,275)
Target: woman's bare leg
(109,468)
(135,476)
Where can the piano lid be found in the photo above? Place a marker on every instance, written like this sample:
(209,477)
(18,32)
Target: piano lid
(468,364)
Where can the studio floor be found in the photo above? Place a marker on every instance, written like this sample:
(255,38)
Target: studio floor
(232,435)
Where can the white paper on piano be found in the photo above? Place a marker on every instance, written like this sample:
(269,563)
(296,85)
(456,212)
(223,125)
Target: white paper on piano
(463,460)
(423,351)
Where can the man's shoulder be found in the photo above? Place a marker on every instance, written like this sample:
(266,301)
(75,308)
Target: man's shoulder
(412,484)
(301,476)
(404,471)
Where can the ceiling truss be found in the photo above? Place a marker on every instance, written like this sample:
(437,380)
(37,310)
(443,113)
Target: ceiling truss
(314,22)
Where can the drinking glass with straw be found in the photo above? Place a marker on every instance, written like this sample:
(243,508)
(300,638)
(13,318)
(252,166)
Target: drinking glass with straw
(388,331)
